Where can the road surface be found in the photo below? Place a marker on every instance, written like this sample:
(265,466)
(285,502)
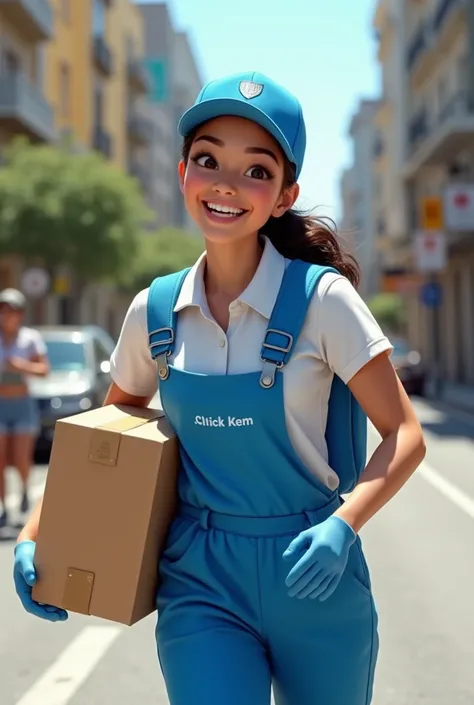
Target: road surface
(420,551)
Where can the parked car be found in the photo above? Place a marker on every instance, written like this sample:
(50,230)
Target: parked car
(79,357)
(409,367)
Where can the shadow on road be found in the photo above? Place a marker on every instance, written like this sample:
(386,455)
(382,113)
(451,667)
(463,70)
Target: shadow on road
(448,424)
(10,533)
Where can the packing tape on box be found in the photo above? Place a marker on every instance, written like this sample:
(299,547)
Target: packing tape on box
(105,439)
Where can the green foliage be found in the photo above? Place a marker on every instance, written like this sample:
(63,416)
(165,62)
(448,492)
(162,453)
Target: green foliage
(165,251)
(58,207)
(389,311)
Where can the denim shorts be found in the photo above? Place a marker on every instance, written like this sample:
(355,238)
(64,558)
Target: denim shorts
(19,415)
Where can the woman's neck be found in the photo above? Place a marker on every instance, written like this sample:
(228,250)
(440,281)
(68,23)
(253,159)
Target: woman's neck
(230,268)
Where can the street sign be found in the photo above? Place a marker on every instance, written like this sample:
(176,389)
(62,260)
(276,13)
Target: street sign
(459,207)
(430,251)
(35,282)
(431,294)
(432,213)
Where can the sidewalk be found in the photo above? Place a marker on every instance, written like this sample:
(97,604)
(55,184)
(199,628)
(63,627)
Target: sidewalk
(459,396)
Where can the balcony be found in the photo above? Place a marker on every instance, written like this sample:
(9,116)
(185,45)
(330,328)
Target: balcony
(140,129)
(32,18)
(102,141)
(417,46)
(437,142)
(102,56)
(449,20)
(24,109)
(417,129)
(378,148)
(138,76)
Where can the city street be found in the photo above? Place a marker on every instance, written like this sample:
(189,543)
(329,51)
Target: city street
(419,549)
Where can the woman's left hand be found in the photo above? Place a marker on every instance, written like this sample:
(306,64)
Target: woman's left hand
(322,551)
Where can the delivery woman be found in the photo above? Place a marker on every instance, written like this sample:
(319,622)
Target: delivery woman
(263,576)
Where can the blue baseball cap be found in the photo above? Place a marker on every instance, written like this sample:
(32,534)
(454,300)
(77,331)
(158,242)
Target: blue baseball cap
(254,96)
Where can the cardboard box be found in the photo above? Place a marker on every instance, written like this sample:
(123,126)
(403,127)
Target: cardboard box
(110,496)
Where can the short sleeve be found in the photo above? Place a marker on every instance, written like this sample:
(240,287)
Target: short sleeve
(348,334)
(37,344)
(131,365)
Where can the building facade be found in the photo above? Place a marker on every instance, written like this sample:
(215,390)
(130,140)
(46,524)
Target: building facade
(176,81)
(357,195)
(432,129)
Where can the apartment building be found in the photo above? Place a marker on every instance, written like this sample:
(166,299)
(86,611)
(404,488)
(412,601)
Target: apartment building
(176,81)
(426,54)
(25,109)
(390,213)
(356,193)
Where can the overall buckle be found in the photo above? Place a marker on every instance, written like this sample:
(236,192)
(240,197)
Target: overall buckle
(161,358)
(267,378)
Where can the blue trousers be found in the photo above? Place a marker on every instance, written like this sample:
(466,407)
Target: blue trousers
(227,628)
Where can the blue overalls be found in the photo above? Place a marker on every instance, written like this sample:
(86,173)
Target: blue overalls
(226,627)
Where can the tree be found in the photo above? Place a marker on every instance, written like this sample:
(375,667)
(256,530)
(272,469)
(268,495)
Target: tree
(62,208)
(165,251)
(389,311)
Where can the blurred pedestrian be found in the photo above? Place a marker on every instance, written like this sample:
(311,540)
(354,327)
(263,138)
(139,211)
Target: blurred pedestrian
(22,353)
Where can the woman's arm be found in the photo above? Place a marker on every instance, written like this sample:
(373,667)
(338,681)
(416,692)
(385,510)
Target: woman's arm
(381,395)
(37,365)
(115,395)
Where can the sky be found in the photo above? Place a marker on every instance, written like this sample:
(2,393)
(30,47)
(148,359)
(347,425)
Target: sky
(323,51)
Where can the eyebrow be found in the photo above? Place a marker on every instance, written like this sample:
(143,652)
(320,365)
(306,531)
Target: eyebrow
(249,150)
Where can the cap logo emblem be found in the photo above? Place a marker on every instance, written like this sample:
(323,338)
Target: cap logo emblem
(249,89)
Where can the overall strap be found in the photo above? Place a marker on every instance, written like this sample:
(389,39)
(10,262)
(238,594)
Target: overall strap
(296,291)
(161,317)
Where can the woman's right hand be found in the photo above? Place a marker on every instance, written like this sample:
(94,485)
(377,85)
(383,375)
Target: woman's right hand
(24,576)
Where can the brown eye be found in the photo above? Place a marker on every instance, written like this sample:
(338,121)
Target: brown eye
(258,172)
(206,161)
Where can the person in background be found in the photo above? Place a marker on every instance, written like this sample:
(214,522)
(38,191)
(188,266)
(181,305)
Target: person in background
(22,353)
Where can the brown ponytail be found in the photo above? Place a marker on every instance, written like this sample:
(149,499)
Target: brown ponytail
(298,235)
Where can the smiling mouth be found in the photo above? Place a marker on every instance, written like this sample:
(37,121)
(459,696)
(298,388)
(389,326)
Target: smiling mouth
(223,211)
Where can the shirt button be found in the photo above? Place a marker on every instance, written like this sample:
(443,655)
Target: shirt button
(222,342)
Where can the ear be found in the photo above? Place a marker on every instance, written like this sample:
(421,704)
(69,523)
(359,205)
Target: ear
(286,200)
(181,174)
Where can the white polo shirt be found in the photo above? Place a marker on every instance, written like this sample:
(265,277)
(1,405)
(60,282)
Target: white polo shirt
(339,336)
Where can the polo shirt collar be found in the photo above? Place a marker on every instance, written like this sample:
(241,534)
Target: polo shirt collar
(260,294)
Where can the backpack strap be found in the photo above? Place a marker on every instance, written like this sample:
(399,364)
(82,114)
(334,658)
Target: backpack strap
(296,291)
(161,317)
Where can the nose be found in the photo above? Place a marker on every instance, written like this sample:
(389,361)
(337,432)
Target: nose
(224,188)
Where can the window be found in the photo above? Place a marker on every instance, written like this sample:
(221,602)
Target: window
(101,353)
(11,62)
(64,91)
(66,355)
(98,18)
(98,103)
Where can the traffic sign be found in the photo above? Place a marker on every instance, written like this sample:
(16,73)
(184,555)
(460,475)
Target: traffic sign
(430,251)
(35,282)
(459,207)
(431,294)
(432,213)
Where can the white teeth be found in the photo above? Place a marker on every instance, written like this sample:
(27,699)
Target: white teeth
(225,210)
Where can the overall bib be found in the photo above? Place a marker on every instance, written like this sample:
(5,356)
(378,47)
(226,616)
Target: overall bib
(227,628)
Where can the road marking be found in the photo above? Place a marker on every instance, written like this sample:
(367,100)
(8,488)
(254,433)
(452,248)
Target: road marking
(450,491)
(62,679)
(436,480)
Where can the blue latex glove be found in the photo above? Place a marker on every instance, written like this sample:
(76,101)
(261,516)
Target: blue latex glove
(24,575)
(321,553)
